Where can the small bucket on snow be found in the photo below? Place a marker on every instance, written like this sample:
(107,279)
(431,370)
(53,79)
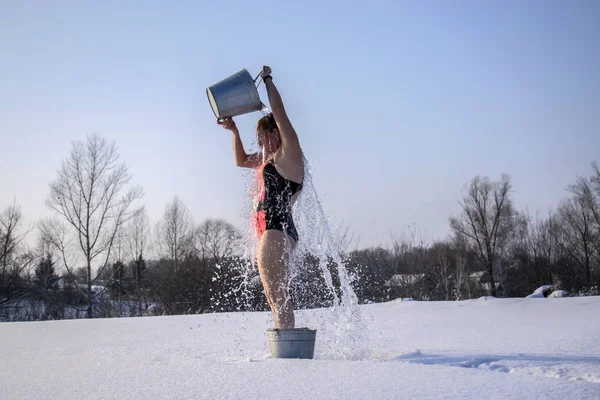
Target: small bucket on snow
(292,343)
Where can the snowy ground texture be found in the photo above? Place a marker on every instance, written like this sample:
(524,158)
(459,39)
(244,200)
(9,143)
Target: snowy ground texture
(547,348)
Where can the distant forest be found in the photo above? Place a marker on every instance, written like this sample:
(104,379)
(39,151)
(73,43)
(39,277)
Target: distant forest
(99,255)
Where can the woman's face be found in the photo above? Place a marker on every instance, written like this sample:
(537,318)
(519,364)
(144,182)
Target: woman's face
(269,141)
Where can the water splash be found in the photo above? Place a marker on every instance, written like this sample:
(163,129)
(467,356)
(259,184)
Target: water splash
(264,111)
(320,283)
(343,331)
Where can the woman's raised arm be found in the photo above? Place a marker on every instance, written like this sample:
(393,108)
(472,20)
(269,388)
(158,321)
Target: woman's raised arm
(242,159)
(289,138)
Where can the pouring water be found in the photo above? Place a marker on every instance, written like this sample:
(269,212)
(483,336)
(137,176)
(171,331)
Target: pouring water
(318,271)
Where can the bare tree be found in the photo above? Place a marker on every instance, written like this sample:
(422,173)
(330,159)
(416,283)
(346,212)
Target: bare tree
(408,250)
(549,241)
(595,184)
(138,236)
(175,233)
(13,258)
(442,253)
(217,239)
(137,233)
(587,191)
(540,245)
(90,210)
(11,233)
(411,262)
(347,239)
(121,248)
(486,220)
(577,236)
(460,275)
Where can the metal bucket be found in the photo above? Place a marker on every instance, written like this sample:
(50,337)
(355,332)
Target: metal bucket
(235,95)
(292,343)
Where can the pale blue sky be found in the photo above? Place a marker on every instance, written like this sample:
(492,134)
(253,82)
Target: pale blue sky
(397,104)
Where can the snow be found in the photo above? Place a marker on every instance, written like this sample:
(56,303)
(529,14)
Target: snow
(403,280)
(539,292)
(472,349)
(536,296)
(559,293)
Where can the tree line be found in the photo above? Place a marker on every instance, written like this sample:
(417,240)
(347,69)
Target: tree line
(99,256)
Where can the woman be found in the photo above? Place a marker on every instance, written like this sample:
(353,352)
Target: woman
(280,172)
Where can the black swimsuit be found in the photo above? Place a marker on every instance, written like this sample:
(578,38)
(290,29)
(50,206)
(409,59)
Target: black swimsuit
(274,209)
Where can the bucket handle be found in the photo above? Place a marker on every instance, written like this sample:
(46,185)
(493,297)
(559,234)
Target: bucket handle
(263,104)
(258,76)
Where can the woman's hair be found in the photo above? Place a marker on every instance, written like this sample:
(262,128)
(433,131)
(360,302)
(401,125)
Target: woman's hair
(267,123)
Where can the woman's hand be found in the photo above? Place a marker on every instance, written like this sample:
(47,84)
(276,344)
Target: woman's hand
(229,124)
(265,72)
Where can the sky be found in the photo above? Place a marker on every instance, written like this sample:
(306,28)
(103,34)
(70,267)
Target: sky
(397,105)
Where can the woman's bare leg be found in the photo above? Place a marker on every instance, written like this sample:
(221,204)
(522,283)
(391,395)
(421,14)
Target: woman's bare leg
(274,274)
